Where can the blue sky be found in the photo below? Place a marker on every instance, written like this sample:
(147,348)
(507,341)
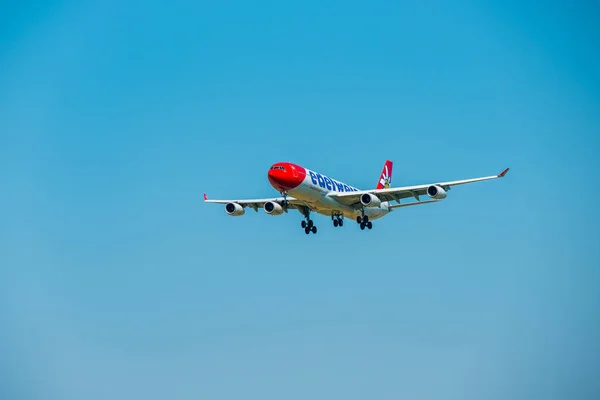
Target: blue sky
(118,282)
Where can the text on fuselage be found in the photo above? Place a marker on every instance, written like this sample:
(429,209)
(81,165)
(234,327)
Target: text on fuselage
(330,184)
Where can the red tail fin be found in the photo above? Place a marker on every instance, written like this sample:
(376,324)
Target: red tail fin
(385,180)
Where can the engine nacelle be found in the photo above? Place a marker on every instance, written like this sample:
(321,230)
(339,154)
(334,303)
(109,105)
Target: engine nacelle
(436,192)
(273,208)
(370,200)
(234,209)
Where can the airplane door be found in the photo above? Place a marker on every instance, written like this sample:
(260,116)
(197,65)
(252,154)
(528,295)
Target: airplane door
(294,172)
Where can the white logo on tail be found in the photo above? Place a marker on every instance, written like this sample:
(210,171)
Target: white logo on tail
(386,179)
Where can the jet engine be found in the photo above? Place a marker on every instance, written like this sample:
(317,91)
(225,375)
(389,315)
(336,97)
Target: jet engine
(436,192)
(370,200)
(234,209)
(273,208)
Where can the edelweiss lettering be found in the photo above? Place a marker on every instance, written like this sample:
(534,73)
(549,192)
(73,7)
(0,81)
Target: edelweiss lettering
(329,184)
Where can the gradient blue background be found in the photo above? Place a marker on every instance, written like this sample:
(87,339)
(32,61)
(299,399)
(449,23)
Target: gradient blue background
(117,282)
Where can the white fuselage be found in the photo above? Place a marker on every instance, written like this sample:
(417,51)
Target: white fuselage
(315,190)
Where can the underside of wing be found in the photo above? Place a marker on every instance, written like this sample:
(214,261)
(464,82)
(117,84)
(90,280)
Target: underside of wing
(436,191)
(391,194)
(255,204)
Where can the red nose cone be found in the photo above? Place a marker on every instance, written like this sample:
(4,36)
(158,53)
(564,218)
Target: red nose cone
(286,176)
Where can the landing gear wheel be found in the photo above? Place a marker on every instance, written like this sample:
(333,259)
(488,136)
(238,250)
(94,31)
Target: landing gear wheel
(362,226)
(336,223)
(369,225)
(308,225)
(366,219)
(340,222)
(359,220)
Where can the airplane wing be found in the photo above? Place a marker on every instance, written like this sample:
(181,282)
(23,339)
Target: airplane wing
(399,193)
(292,203)
(414,203)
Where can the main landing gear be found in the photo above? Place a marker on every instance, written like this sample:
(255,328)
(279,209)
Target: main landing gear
(337,220)
(364,222)
(308,225)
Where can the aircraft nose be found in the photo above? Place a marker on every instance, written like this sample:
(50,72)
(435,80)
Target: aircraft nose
(282,178)
(274,174)
(279,179)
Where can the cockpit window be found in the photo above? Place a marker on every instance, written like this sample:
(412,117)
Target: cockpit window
(278,167)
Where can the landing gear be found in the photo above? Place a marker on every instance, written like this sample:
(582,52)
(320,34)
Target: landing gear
(369,225)
(364,222)
(312,229)
(337,220)
(285,200)
(308,224)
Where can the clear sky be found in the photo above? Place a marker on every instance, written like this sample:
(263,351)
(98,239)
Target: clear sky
(117,282)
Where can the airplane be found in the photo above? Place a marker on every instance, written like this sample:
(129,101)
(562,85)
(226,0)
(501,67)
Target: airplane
(309,191)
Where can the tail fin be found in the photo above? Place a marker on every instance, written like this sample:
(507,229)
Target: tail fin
(385,180)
